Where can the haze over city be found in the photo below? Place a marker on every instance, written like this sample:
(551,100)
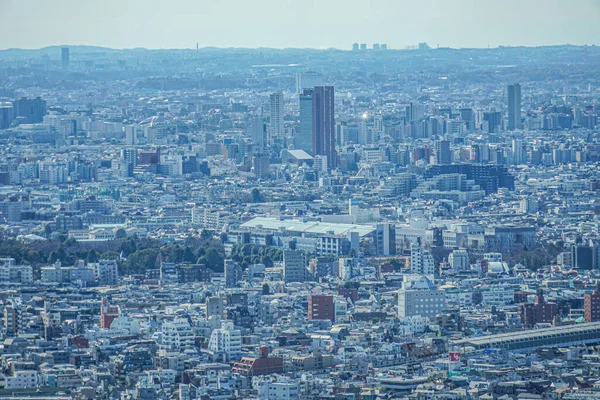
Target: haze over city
(299,200)
(161,24)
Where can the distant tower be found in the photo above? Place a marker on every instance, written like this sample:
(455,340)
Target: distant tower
(514,107)
(323,120)
(355,47)
(256,130)
(65,57)
(303,137)
(277,105)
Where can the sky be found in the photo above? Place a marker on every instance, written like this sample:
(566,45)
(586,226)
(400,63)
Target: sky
(160,24)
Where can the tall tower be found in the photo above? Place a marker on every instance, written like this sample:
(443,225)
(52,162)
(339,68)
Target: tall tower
(514,107)
(323,116)
(303,137)
(65,57)
(277,105)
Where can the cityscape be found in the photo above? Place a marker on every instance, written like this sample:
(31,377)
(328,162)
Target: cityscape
(361,223)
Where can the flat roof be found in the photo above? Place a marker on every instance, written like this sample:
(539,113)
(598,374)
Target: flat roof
(312,227)
(531,334)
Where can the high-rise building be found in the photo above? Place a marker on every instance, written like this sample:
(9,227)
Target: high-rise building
(256,131)
(421,261)
(492,121)
(591,306)
(514,107)
(321,307)
(308,80)
(294,266)
(303,136)
(443,156)
(355,47)
(420,297)
(323,119)
(518,152)
(277,113)
(32,111)
(261,166)
(385,239)
(65,57)
(6,115)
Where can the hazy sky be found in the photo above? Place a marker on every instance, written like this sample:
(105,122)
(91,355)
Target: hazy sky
(297,23)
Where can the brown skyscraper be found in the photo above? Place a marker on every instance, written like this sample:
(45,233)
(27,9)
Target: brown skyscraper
(324,124)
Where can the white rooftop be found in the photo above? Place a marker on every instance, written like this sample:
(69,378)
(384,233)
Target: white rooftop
(312,227)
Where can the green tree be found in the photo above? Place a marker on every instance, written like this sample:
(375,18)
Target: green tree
(266,290)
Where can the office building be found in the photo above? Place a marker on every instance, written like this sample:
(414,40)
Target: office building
(385,239)
(591,306)
(492,121)
(256,131)
(294,266)
(261,166)
(30,111)
(303,136)
(442,152)
(323,120)
(65,57)
(6,115)
(514,107)
(277,112)
(321,307)
(308,80)
(518,152)
(420,297)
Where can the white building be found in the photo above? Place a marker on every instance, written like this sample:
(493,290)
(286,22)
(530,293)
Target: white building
(278,390)
(177,334)
(226,340)
(421,261)
(420,297)
(276,113)
(11,272)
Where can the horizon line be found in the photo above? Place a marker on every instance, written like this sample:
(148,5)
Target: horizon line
(407,47)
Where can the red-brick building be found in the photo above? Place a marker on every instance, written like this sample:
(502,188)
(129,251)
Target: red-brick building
(263,365)
(538,312)
(321,307)
(591,306)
